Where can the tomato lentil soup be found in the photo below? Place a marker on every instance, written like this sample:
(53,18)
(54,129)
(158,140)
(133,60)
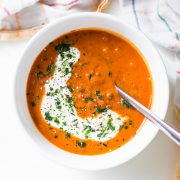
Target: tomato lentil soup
(71,95)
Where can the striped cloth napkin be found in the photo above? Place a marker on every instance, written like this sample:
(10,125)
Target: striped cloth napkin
(23,18)
(158,19)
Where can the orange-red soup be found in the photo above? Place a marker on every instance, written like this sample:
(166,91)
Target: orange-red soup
(105,59)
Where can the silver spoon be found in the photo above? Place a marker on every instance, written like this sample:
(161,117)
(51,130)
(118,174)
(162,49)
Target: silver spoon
(169,131)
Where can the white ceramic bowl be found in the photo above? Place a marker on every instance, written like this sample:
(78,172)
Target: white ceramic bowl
(160,100)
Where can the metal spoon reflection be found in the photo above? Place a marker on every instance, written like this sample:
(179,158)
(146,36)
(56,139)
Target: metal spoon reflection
(169,131)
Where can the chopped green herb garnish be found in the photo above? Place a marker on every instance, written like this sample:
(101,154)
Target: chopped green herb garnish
(86,134)
(87,129)
(130,122)
(126,104)
(71,64)
(90,76)
(67,71)
(109,74)
(104,144)
(56,120)
(33,103)
(56,91)
(64,123)
(88,99)
(100,97)
(125,127)
(69,56)
(63,46)
(70,89)
(67,135)
(101,109)
(69,99)
(48,116)
(40,74)
(121,127)
(81,144)
(97,92)
(51,68)
(55,136)
(58,106)
(110,125)
(101,133)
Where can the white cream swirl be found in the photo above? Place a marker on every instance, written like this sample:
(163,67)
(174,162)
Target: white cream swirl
(58,108)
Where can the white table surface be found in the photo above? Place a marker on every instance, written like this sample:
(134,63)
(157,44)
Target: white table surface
(19,160)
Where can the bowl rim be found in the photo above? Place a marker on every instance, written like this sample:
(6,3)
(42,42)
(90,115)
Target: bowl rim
(75,156)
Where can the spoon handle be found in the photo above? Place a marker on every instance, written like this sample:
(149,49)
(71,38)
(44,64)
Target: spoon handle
(169,131)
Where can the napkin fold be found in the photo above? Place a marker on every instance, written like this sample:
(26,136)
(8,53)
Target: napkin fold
(22,18)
